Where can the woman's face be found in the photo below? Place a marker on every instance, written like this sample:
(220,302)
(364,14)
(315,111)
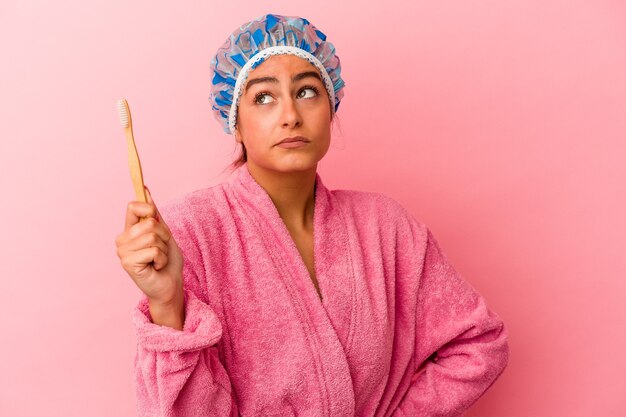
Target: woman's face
(291,101)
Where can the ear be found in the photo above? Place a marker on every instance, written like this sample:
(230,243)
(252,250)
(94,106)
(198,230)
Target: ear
(237,135)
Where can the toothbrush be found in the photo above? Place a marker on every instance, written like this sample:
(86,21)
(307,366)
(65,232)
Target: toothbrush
(133,157)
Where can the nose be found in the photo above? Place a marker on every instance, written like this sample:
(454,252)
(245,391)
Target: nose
(290,116)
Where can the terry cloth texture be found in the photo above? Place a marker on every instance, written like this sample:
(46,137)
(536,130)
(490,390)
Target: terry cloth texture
(397,332)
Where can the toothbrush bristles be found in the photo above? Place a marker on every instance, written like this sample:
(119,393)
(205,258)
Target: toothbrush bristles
(123,113)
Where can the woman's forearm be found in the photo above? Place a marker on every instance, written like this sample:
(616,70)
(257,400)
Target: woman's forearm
(169,314)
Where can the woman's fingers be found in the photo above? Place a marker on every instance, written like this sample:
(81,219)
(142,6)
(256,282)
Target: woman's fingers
(151,202)
(145,240)
(150,225)
(139,260)
(149,253)
(156,209)
(137,210)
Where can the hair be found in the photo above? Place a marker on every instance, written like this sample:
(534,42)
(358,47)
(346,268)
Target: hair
(243,155)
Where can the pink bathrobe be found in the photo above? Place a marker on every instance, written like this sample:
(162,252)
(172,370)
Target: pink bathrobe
(398,332)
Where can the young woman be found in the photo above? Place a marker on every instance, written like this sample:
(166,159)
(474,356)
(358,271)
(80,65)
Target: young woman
(272,295)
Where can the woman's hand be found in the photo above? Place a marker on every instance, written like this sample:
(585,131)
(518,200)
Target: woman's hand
(153,260)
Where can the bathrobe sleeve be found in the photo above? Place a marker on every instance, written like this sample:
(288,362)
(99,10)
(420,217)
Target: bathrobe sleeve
(178,372)
(461,345)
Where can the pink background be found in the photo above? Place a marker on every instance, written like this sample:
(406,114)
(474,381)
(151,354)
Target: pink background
(500,124)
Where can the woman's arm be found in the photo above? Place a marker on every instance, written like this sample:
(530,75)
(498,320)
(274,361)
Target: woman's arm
(178,372)
(461,345)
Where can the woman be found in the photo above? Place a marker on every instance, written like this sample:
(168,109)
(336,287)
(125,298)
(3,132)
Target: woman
(271,295)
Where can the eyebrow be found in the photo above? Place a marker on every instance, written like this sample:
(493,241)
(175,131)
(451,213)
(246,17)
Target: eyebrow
(295,78)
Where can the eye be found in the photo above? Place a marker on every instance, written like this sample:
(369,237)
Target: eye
(310,87)
(259,96)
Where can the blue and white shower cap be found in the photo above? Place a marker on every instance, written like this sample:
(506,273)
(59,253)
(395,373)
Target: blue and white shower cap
(249,45)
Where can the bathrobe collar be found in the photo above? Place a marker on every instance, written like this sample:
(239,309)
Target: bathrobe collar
(332,319)
(331,244)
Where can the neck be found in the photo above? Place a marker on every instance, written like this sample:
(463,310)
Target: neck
(292,193)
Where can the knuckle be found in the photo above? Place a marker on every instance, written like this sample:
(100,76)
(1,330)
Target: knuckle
(120,239)
(152,237)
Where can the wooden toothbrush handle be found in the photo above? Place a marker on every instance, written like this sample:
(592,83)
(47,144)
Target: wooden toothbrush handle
(135,167)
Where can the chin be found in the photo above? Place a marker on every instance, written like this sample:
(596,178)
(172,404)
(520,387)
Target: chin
(292,161)
(297,166)
(295,163)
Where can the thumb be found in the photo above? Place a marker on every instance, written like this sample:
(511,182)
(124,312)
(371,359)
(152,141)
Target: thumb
(151,201)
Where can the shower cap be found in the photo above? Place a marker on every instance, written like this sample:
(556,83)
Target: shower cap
(250,44)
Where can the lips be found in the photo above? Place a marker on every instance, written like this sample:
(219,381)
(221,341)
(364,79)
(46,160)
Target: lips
(294,139)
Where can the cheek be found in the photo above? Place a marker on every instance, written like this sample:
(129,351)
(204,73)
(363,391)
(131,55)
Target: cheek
(256,121)
(265,121)
(254,131)
(323,114)
(324,110)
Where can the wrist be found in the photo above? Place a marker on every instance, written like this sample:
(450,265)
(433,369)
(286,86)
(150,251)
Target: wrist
(170,313)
